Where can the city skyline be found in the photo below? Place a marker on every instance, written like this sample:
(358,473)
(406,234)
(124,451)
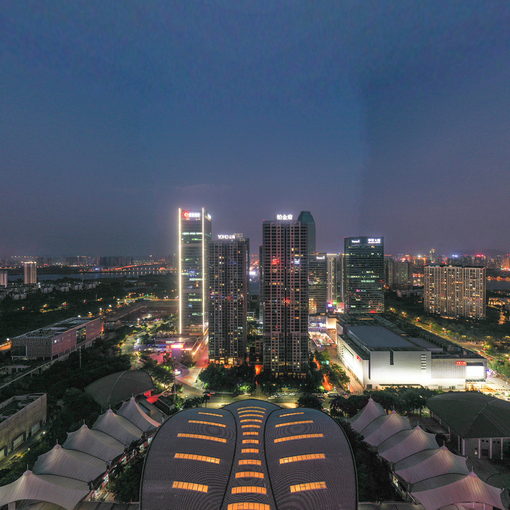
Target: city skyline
(377,118)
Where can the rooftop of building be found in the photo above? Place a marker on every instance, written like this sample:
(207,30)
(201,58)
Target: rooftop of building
(249,454)
(14,404)
(57,328)
(472,414)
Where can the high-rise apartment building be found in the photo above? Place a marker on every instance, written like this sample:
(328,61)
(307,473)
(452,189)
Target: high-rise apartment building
(4,278)
(228,298)
(194,236)
(284,295)
(30,273)
(455,291)
(306,218)
(399,273)
(317,283)
(364,275)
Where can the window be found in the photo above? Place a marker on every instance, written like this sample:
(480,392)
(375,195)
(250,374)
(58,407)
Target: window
(249,450)
(208,423)
(300,436)
(249,474)
(251,420)
(300,487)
(192,456)
(299,458)
(292,423)
(250,426)
(250,441)
(254,415)
(201,436)
(291,414)
(250,462)
(250,433)
(248,506)
(251,407)
(211,414)
(249,489)
(190,486)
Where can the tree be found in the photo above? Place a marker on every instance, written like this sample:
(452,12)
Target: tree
(126,484)
(348,406)
(308,400)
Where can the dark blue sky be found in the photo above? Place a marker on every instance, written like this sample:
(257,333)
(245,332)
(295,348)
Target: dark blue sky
(380,117)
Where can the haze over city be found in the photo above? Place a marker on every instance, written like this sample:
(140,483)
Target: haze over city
(380,117)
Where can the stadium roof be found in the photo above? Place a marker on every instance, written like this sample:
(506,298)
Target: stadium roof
(376,338)
(249,454)
(472,414)
(384,427)
(115,388)
(118,427)
(132,411)
(405,443)
(367,415)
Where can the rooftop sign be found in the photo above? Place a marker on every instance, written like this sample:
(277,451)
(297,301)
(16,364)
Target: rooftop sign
(284,217)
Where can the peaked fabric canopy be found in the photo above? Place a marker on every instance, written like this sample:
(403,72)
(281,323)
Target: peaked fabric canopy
(69,463)
(384,427)
(135,414)
(405,443)
(117,427)
(467,489)
(367,415)
(429,464)
(58,490)
(95,443)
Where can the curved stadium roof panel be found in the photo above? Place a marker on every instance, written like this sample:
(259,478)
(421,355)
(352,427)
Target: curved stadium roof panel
(117,427)
(249,455)
(383,428)
(95,443)
(69,463)
(132,411)
(367,415)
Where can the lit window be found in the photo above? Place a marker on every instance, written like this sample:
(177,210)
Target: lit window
(292,423)
(251,407)
(201,436)
(211,414)
(249,420)
(250,433)
(250,441)
(253,415)
(299,458)
(312,486)
(190,486)
(300,436)
(192,456)
(249,450)
(248,506)
(249,489)
(291,414)
(249,474)
(250,426)
(250,462)
(207,423)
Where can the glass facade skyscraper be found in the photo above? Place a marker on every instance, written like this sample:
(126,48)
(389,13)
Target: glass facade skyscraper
(194,236)
(364,275)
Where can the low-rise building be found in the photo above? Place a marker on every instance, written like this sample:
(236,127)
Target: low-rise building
(58,339)
(21,417)
(378,355)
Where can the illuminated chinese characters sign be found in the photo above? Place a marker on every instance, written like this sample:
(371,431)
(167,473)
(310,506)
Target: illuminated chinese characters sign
(189,215)
(284,217)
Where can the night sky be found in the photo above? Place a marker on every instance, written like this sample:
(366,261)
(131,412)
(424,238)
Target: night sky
(380,117)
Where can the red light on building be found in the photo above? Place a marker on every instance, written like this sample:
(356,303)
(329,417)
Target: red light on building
(461,363)
(185,215)
(275,262)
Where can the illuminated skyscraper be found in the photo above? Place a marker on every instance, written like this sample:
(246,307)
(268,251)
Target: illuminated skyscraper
(364,275)
(228,298)
(306,218)
(455,291)
(317,283)
(194,235)
(4,278)
(284,299)
(30,273)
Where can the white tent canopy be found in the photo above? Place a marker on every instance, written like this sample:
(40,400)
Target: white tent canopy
(95,443)
(384,427)
(367,415)
(131,410)
(467,489)
(58,490)
(117,427)
(429,464)
(405,443)
(69,463)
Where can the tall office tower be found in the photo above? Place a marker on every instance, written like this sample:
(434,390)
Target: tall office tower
(228,298)
(194,235)
(364,275)
(4,278)
(317,283)
(455,291)
(306,218)
(30,273)
(284,295)
(398,273)
(505,264)
(332,262)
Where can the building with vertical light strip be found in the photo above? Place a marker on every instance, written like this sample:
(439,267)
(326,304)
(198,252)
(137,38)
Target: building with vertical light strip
(284,297)
(194,235)
(455,291)
(30,272)
(228,298)
(317,283)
